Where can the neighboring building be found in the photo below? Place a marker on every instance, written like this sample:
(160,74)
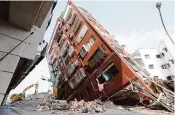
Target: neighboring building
(85,61)
(166,54)
(157,61)
(22,27)
(147,60)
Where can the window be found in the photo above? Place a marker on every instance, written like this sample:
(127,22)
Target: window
(77,26)
(77,78)
(101,80)
(81,34)
(83,51)
(98,55)
(172,61)
(162,54)
(166,50)
(69,15)
(147,56)
(151,66)
(107,74)
(72,19)
(169,78)
(90,42)
(158,56)
(165,66)
(71,51)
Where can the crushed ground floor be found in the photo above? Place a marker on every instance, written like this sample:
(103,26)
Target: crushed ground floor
(44,104)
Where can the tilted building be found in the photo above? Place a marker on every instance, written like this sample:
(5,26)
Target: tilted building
(85,61)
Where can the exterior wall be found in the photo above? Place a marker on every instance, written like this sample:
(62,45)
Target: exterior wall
(157,62)
(10,36)
(151,60)
(166,59)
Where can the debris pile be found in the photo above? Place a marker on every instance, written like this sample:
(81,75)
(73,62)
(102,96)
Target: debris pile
(95,106)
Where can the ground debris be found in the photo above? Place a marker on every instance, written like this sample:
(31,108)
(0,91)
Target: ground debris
(45,104)
(96,106)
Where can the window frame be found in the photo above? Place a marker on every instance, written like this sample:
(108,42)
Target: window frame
(147,56)
(151,66)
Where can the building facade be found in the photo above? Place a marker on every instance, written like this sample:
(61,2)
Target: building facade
(166,54)
(22,27)
(159,62)
(85,61)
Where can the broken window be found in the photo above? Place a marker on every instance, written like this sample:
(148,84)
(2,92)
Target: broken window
(101,80)
(107,74)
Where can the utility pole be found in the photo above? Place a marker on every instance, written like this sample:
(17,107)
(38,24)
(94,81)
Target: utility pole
(158,6)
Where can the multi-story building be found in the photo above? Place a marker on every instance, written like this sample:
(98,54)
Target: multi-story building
(84,59)
(22,27)
(159,62)
(147,59)
(166,54)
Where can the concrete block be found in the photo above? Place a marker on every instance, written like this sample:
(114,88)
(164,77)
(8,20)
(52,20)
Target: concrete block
(9,63)
(7,44)
(5,81)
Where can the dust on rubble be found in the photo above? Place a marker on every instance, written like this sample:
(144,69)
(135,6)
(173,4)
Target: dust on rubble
(44,103)
(95,106)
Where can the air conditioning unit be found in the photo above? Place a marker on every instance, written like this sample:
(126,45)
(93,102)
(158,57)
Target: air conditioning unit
(83,51)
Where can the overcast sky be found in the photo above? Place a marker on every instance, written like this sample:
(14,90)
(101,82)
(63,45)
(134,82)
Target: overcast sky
(135,24)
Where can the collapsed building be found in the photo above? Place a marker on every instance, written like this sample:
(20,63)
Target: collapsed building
(86,62)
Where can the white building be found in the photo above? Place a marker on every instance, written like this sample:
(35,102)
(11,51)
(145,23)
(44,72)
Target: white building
(147,59)
(157,61)
(166,54)
(22,27)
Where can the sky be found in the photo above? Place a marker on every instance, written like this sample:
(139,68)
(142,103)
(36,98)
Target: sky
(135,24)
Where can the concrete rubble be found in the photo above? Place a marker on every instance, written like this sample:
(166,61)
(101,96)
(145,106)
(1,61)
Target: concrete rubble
(45,104)
(95,106)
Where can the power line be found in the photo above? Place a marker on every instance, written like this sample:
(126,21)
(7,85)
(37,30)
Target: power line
(158,5)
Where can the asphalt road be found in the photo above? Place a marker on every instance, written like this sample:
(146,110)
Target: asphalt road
(6,111)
